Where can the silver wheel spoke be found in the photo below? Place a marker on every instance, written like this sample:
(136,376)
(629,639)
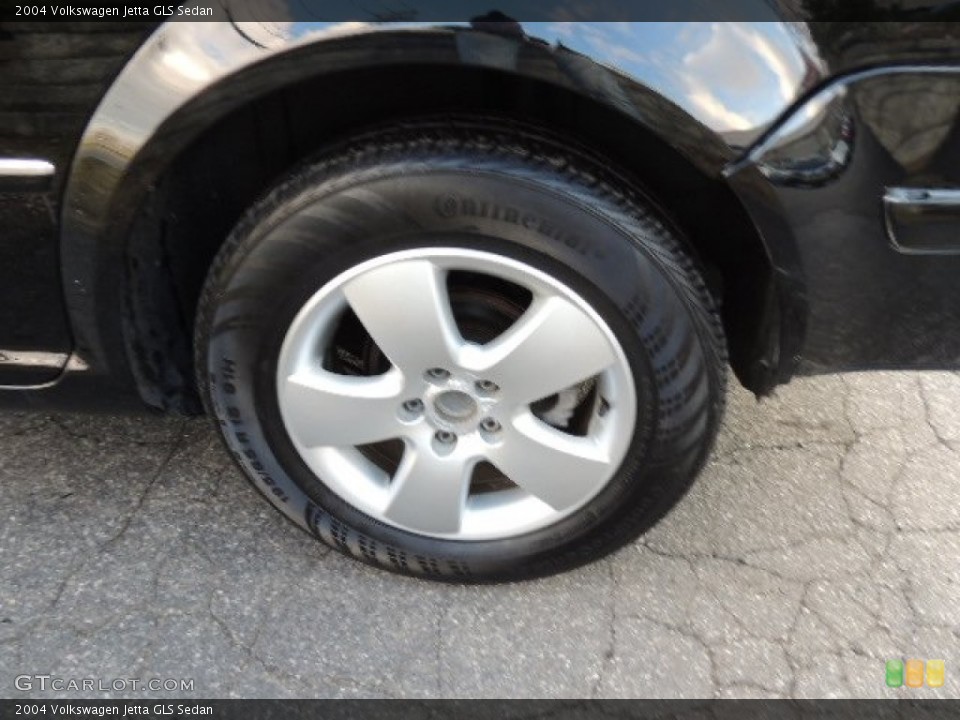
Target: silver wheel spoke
(429,491)
(560,469)
(326,409)
(553,346)
(405,308)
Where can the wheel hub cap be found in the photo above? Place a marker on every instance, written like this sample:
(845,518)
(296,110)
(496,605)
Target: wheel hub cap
(455,406)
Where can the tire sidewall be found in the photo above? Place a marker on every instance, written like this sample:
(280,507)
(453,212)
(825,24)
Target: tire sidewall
(335,217)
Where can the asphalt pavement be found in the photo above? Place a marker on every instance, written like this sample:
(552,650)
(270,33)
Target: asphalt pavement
(822,541)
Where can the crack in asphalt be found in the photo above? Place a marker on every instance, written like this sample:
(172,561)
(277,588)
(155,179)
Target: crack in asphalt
(608,658)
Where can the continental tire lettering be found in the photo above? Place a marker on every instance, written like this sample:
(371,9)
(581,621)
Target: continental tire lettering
(451,206)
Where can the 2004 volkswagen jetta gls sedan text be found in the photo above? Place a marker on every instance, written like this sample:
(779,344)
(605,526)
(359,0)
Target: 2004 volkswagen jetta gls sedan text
(462,296)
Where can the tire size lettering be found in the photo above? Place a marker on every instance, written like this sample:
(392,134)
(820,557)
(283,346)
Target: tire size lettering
(231,417)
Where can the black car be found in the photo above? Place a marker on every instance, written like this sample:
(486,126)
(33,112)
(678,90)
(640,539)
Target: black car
(462,296)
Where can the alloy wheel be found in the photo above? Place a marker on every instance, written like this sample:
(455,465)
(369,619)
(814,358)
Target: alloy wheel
(456,406)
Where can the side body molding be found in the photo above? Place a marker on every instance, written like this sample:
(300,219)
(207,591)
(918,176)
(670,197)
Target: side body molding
(923,221)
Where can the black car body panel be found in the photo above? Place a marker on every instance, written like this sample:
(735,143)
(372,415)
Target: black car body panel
(799,121)
(867,219)
(51,79)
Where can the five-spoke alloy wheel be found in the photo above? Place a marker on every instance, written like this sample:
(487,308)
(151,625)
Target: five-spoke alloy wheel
(456,403)
(462,351)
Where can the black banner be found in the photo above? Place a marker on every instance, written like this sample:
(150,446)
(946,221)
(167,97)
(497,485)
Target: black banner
(458,10)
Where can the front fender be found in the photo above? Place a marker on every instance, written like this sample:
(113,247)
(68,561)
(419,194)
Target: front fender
(673,79)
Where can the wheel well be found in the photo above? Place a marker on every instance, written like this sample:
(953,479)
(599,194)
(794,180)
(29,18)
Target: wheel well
(195,204)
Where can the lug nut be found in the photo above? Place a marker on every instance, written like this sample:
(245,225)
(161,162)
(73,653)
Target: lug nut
(438,373)
(487,387)
(489,425)
(413,406)
(445,438)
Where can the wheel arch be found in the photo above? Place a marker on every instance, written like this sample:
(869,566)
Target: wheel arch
(201,97)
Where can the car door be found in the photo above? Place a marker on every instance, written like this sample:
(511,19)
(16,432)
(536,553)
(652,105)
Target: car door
(51,77)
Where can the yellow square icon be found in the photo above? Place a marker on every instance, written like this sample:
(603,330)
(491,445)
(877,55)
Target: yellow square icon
(914,673)
(936,673)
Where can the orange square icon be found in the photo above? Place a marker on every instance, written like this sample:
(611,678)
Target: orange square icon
(935,673)
(914,673)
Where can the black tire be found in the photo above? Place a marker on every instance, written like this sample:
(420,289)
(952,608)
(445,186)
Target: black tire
(616,250)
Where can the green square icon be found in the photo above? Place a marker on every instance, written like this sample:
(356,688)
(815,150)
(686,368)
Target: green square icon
(894,673)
